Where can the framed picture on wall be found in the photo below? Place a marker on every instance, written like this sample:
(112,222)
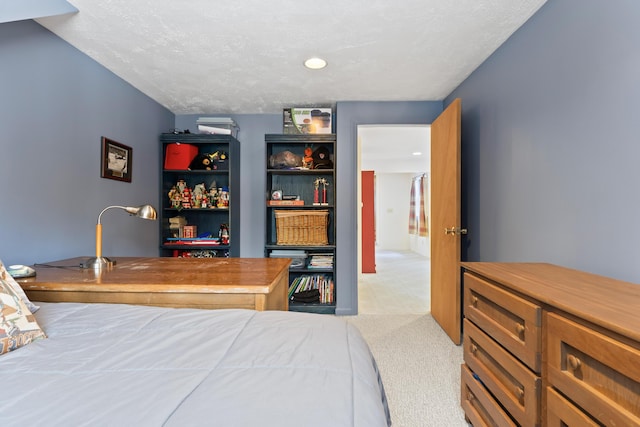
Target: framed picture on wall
(116,160)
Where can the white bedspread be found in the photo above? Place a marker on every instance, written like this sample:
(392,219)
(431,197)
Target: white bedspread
(121,365)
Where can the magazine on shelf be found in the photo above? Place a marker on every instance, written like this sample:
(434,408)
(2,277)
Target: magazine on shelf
(322,260)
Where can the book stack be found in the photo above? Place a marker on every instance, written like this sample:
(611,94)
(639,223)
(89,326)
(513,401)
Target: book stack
(321,261)
(324,285)
(175,225)
(298,257)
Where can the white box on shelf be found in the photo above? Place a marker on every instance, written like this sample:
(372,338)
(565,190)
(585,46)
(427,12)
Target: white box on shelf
(217,125)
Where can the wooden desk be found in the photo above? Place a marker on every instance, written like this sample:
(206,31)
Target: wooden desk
(253,283)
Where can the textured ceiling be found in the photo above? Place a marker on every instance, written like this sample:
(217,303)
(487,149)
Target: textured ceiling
(203,56)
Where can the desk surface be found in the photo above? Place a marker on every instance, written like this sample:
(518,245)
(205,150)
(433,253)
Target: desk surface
(164,281)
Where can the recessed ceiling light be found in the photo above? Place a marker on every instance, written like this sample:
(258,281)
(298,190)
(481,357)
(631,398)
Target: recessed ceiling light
(315,63)
(417,153)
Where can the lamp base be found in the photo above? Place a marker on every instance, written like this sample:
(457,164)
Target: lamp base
(97,263)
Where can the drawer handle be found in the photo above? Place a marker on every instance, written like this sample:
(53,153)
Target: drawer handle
(520,393)
(473,348)
(474,301)
(574,362)
(520,328)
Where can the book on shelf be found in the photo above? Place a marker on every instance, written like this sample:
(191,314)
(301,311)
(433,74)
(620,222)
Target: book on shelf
(324,284)
(193,241)
(285,202)
(288,253)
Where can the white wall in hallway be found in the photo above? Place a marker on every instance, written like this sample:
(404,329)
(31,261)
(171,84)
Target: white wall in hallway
(392,194)
(420,245)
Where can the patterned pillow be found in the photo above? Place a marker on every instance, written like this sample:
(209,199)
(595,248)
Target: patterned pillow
(18,326)
(6,277)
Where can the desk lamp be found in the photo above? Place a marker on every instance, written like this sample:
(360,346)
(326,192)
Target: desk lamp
(100,262)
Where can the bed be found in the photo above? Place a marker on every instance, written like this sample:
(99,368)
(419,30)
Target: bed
(112,364)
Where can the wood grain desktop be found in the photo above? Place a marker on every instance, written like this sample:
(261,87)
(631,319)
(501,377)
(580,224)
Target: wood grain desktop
(210,283)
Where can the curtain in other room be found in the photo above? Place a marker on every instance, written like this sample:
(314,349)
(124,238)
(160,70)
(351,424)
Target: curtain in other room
(423,225)
(413,218)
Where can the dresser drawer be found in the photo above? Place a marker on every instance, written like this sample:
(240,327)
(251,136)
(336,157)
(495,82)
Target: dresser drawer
(509,319)
(597,372)
(561,413)
(479,406)
(509,380)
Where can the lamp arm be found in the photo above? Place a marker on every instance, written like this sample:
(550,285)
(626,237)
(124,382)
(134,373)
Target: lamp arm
(112,207)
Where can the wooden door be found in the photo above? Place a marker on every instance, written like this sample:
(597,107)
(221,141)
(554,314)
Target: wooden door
(368,223)
(445,221)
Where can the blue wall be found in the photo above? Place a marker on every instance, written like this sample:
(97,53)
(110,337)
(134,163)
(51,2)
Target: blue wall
(550,141)
(55,104)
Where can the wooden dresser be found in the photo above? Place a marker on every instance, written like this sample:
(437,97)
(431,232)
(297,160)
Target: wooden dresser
(549,346)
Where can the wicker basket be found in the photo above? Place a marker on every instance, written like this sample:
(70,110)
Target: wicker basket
(301,227)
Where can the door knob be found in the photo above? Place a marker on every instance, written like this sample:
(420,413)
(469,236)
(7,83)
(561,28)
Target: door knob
(455,231)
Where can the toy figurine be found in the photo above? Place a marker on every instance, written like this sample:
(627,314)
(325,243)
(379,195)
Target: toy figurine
(175,197)
(186,198)
(224,197)
(172,192)
(176,201)
(307,160)
(198,195)
(213,197)
(224,234)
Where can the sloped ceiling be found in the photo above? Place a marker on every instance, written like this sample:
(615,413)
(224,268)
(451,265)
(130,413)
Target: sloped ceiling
(203,56)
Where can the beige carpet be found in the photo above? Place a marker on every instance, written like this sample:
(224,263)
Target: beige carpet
(420,368)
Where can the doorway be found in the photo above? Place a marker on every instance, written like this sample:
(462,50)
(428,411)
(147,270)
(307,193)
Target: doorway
(400,284)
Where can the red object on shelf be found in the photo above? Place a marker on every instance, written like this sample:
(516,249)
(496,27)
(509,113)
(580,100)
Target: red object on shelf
(189,231)
(179,155)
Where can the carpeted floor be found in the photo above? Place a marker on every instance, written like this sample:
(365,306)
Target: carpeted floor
(420,368)
(400,284)
(419,365)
